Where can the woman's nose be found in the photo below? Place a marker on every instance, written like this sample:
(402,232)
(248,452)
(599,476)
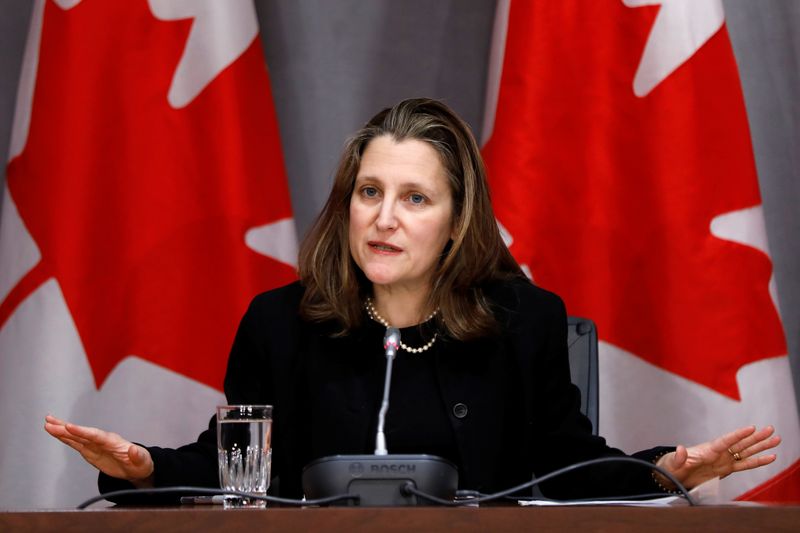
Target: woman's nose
(387,219)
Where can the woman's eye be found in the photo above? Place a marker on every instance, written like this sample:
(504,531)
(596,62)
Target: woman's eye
(417,199)
(369,192)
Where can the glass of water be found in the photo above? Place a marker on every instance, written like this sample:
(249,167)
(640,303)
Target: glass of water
(244,435)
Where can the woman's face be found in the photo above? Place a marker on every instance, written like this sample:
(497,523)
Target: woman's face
(401,213)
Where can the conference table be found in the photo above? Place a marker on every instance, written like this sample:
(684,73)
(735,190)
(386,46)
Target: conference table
(427,519)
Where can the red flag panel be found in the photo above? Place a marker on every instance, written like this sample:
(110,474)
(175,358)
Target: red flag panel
(609,196)
(139,209)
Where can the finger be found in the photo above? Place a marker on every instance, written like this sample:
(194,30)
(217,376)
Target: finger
(87,452)
(136,455)
(78,446)
(84,434)
(90,434)
(82,446)
(69,432)
(753,462)
(728,440)
(60,436)
(60,432)
(761,446)
(756,437)
(140,459)
(679,458)
(54,429)
(54,420)
(67,437)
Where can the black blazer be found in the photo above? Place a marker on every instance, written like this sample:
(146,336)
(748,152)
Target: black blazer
(517,415)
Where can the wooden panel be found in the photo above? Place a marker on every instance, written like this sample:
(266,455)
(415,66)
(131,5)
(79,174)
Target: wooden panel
(653,520)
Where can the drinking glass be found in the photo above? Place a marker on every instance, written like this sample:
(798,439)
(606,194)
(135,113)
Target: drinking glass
(244,434)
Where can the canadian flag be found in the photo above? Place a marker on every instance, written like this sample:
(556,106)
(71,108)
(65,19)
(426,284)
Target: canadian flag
(146,203)
(623,176)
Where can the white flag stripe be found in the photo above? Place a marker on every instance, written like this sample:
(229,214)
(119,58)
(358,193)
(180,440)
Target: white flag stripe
(277,240)
(18,251)
(44,370)
(67,4)
(221,32)
(496,56)
(747,227)
(680,29)
(681,411)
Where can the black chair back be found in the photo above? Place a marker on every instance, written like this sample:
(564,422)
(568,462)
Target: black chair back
(582,342)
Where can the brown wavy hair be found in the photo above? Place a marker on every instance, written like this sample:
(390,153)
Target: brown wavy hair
(335,287)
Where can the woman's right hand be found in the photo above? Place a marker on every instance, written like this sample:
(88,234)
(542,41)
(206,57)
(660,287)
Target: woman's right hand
(108,452)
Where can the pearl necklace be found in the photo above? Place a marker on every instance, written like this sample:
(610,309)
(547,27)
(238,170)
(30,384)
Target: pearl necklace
(373,314)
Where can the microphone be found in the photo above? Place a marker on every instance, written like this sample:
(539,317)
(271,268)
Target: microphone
(391,341)
(381,479)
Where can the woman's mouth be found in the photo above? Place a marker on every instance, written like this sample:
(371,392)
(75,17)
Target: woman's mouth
(384,247)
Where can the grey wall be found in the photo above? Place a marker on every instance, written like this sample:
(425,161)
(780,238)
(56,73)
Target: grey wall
(14,18)
(766,40)
(333,63)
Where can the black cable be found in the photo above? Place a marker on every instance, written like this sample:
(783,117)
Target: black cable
(409,487)
(217,492)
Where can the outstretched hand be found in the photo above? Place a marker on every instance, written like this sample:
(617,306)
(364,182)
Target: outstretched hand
(733,452)
(108,452)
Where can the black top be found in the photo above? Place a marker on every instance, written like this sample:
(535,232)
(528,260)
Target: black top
(418,419)
(506,400)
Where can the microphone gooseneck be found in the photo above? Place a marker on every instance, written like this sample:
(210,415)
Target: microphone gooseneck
(391,341)
(379,479)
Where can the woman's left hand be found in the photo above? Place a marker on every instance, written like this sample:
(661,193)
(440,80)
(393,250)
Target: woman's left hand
(733,452)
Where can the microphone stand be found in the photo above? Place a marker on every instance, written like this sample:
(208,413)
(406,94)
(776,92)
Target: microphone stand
(391,340)
(378,479)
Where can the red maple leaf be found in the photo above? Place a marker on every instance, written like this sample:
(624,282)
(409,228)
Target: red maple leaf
(609,197)
(140,209)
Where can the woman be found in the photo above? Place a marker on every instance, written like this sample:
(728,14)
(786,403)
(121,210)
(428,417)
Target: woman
(408,239)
